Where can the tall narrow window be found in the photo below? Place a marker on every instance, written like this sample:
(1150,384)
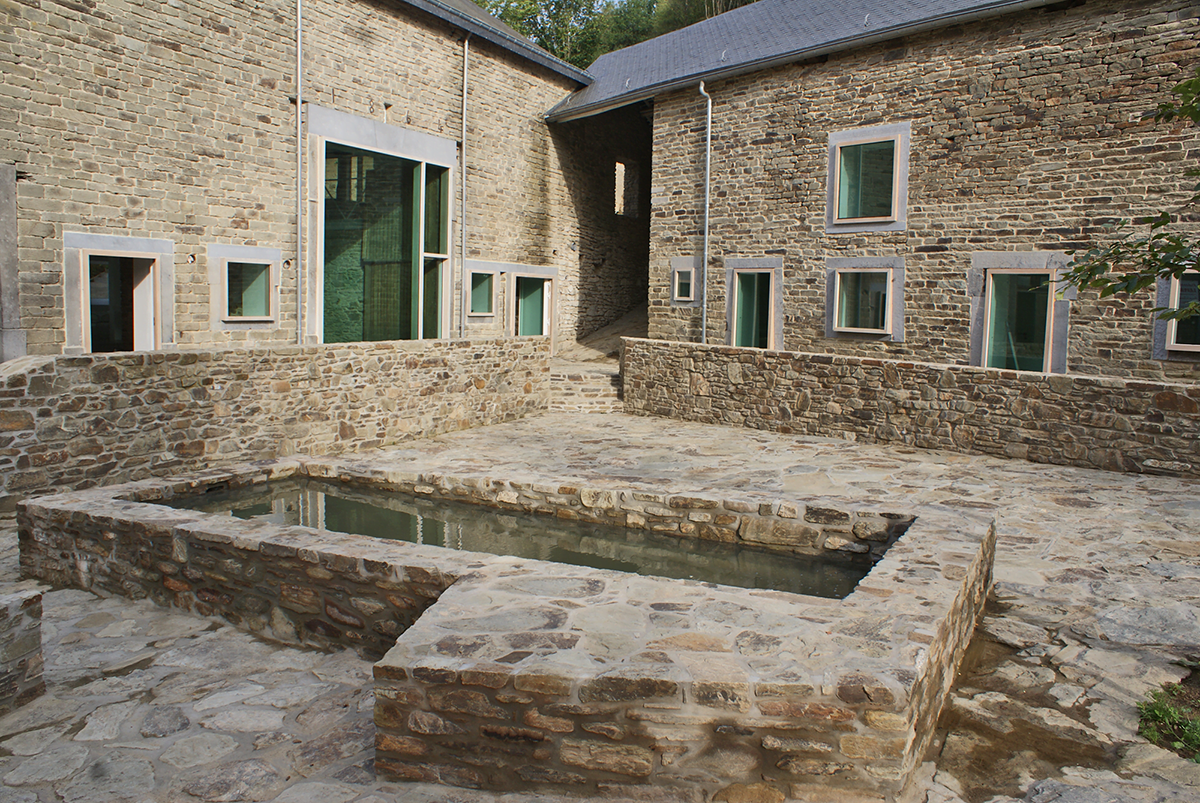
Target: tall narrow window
(532,305)
(482,293)
(120,303)
(1184,335)
(683,285)
(625,189)
(386,245)
(1018,308)
(752,310)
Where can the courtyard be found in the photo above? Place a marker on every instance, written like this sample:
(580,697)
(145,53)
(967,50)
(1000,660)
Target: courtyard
(1095,597)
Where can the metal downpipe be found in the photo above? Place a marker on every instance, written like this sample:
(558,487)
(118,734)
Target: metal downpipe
(300,210)
(707,184)
(465,295)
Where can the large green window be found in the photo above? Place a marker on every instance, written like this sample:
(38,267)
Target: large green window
(386,245)
(752,309)
(866,181)
(1184,335)
(247,290)
(1018,313)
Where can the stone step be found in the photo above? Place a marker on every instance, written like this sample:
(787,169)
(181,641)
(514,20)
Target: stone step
(586,387)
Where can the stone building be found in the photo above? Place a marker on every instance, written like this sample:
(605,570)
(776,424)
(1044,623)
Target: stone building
(902,180)
(151,193)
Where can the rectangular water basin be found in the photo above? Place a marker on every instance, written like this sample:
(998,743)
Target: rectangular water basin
(508,673)
(338,507)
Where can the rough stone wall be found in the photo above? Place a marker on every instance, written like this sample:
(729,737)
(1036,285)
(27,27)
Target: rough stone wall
(1026,134)
(1093,422)
(73,422)
(187,133)
(146,119)
(20,649)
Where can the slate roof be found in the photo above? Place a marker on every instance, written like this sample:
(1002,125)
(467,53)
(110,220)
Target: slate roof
(475,20)
(764,34)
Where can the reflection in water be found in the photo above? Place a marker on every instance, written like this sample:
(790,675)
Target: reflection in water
(385,514)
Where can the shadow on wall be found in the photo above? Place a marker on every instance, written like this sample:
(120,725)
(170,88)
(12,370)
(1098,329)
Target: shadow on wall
(606,164)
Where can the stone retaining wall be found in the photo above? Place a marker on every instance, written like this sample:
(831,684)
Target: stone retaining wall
(73,422)
(520,674)
(20,649)
(1092,422)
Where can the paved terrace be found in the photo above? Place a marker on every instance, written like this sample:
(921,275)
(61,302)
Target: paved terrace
(1097,589)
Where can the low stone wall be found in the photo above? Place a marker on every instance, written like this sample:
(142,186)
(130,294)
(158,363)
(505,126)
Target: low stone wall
(20,649)
(510,673)
(74,422)
(1092,422)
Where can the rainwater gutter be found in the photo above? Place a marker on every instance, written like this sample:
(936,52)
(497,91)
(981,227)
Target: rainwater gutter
(462,194)
(299,173)
(707,184)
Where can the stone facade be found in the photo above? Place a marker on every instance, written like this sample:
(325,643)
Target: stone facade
(73,422)
(20,649)
(1027,134)
(1093,422)
(521,674)
(187,136)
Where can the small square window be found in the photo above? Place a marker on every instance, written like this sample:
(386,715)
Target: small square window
(482,293)
(863,302)
(1184,335)
(247,289)
(866,181)
(683,285)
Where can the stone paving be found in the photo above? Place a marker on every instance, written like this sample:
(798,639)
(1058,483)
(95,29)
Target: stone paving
(1098,588)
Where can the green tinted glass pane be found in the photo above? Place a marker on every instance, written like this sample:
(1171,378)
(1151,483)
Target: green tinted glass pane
(437,209)
(431,313)
(370,243)
(530,305)
(1187,331)
(865,180)
(753,310)
(683,284)
(481,293)
(246,287)
(110,291)
(1017,316)
(862,300)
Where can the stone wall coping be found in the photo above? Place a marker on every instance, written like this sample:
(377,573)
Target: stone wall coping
(1065,380)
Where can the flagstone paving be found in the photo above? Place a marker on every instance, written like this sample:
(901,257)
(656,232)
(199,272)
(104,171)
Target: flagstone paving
(1097,594)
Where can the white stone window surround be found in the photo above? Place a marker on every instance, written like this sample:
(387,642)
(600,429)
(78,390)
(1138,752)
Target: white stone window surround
(894,267)
(330,125)
(497,271)
(772,265)
(1165,348)
(514,270)
(901,134)
(219,257)
(1054,264)
(158,313)
(686,264)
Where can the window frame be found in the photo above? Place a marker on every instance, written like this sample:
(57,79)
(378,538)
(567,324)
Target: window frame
(1054,264)
(773,266)
(471,274)
(219,257)
(1047,336)
(1174,289)
(838,273)
(898,133)
(675,274)
(894,268)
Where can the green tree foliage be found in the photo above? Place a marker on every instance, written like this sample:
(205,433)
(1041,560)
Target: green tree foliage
(1133,263)
(581,31)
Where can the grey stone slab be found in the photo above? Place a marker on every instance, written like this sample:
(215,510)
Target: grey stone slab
(114,778)
(236,781)
(52,765)
(245,720)
(163,720)
(203,748)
